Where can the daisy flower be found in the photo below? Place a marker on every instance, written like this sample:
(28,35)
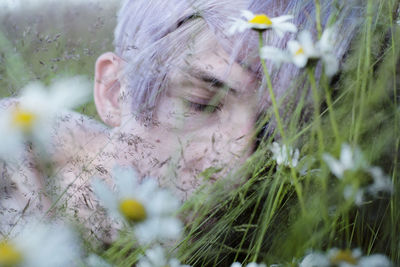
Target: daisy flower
(285,155)
(301,51)
(344,258)
(40,245)
(31,118)
(352,160)
(156,257)
(261,22)
(149,208)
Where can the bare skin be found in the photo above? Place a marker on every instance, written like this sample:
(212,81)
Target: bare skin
(204,120)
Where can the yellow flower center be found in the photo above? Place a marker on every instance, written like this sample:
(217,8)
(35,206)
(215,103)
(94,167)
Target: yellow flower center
(344,256)
(133,210)
(9,256)
(23,119)
(261,19)
(299,52)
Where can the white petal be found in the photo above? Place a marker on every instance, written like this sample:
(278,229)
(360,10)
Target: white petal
(42,134)
(315,260)
(247,14)
(107,198)
(275,148)
(376,260)
(146,190)
(295,158)
(171,228)
(300,60)
(305,39)
(279,32)
(347,157)
(11,145)
(238,26)
(69,93)
(254,264)
(274,54)
(286,27)
(381,183)
(158,229)
(35,98)
(95,261)
(359,198)
(236,264)
(126,181)
(325,44)
(39,241)
(334,165)
(156,255)
(143,262)
(331,64)
(163,203)
(281,19)
(293,46)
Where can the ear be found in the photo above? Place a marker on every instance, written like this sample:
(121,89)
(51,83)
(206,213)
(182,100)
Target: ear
(107,88)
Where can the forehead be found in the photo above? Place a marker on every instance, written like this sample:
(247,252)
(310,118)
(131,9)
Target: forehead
(206,59)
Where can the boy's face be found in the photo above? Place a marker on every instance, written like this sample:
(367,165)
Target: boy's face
(205,120)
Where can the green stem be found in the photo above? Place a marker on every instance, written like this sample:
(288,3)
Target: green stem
(366,70)
(270,89)
(318,17)
(332,116)
(317,118)
(278,120)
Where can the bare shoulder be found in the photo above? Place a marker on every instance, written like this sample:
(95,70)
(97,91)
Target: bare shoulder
(74,133)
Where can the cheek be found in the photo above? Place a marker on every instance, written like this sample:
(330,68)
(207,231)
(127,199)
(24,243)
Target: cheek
(198,140)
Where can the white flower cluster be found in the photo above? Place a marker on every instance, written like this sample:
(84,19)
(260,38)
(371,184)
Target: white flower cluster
(299,52)
(284,155)
(352,161)
(344,258)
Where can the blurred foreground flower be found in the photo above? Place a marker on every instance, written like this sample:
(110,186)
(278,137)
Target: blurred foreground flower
(251,264)
(262,22)
(96,261)
(32,117)
(156,257)
(344,258)
(150,208)
(284,155)
(350,160)
(302,51)
(364,179)
(40,245)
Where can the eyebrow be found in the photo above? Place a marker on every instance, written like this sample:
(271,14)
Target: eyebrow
(211,80)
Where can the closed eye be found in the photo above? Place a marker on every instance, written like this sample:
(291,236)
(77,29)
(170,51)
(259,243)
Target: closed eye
(203,107)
